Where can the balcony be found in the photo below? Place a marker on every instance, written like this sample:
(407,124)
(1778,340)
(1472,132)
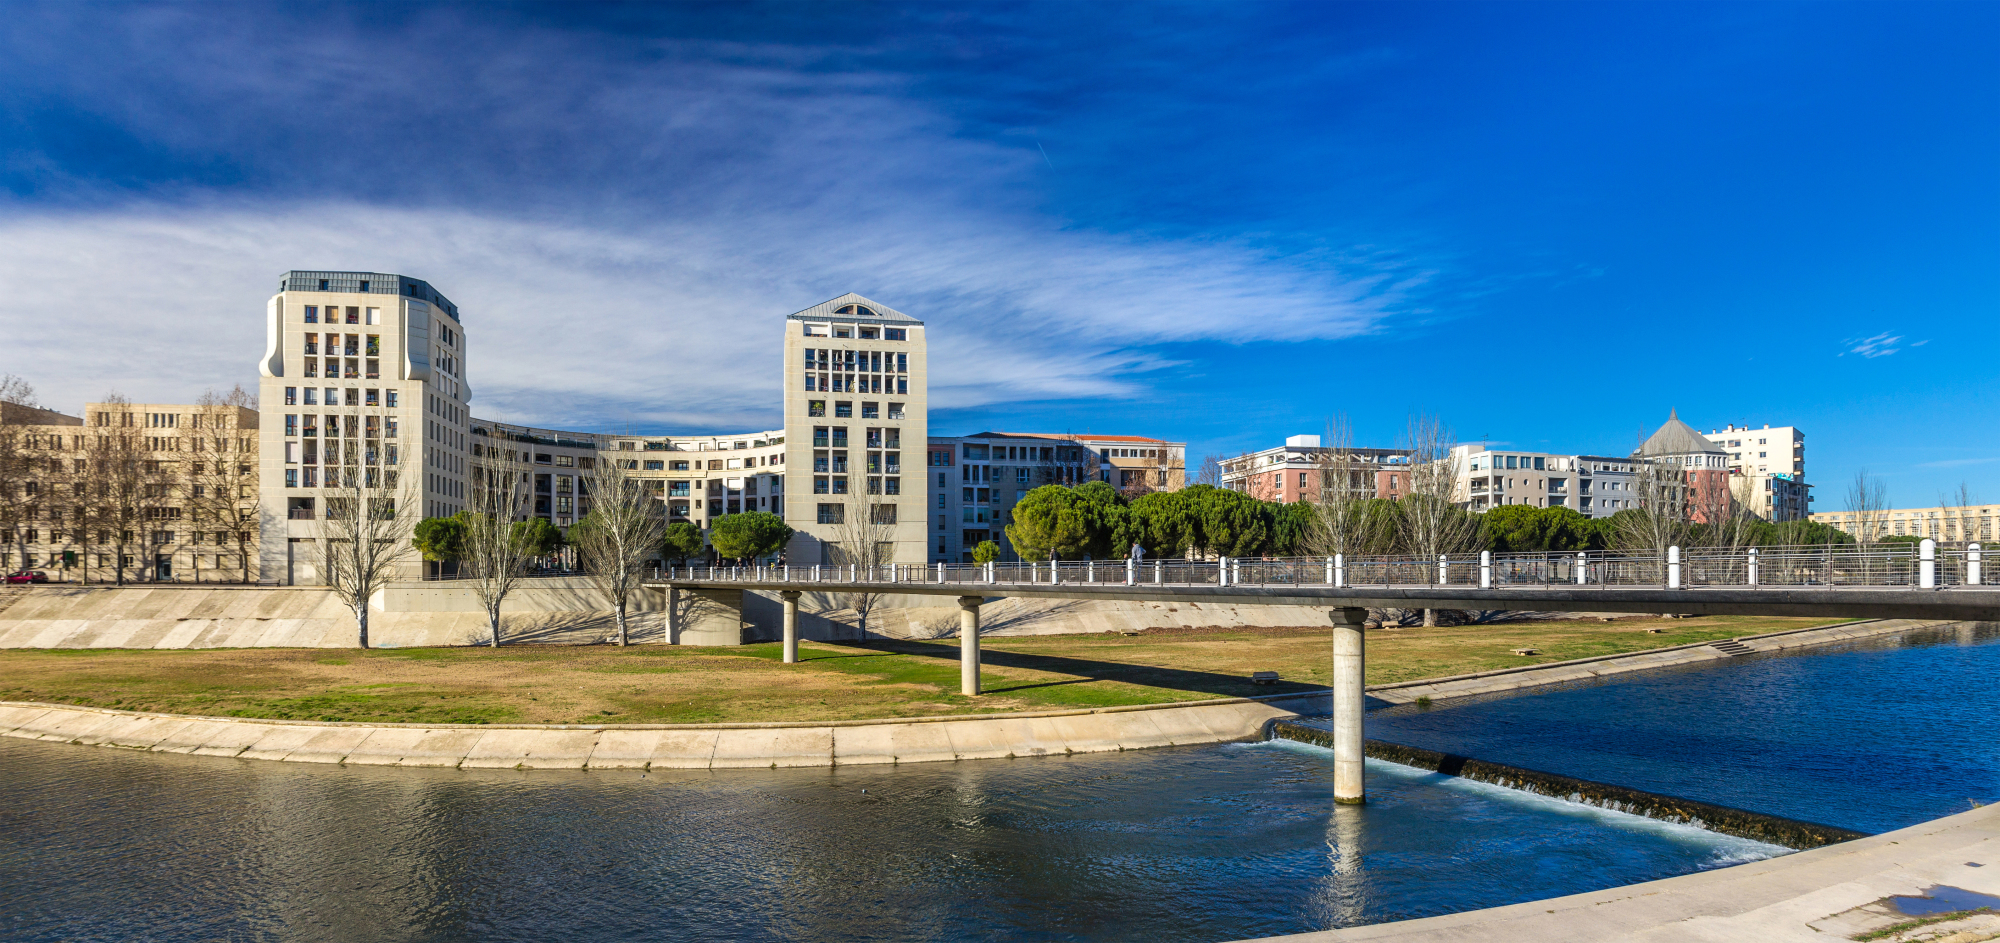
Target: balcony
(300,514)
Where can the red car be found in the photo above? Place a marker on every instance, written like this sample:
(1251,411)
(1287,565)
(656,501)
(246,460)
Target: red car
(29,576)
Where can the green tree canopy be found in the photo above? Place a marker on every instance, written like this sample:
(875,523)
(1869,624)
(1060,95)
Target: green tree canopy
(745,536)
(683,540)
(441,538)
(1521,528)
(1071,522)
(1233,524)
(986,552)
(537,537)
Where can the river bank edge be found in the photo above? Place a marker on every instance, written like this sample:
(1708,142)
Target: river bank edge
(815,743)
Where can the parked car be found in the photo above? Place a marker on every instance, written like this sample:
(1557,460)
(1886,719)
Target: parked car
(28,576)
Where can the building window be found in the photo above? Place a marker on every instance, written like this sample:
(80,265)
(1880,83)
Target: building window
(871,411)
(895,334)
(843,410)
(830,514)
(892,486)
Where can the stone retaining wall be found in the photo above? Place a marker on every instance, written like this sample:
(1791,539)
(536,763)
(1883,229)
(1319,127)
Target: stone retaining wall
(696,746)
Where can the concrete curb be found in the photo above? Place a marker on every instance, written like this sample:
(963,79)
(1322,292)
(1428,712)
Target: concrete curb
(677,746)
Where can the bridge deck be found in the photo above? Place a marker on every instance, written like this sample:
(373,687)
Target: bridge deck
(1956,603)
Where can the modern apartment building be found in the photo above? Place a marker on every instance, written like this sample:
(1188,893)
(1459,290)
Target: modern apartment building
(1945,524)
(1591,485)
(1292,472)
(361,370)
(855,407)
(1774,459)
(134,491)
(976,480)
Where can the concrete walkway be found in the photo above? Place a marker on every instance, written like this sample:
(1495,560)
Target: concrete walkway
(1823,895)
(677,746)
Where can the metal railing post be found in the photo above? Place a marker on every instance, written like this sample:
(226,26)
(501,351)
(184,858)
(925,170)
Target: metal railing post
(1157,572)
(1235,571)
(1485,569)
(1443,563)
(989,571)
(1339,570)
(1927,564)
(1972,565)
(940,571)
(1090,571)
(1131,571)
(1750,569)
(1674,567)
(1222,571)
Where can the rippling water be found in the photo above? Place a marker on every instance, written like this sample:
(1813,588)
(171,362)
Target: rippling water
(1873,735)
(1198,844)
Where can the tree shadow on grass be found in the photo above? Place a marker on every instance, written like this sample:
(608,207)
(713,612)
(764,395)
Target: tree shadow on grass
(1213,684)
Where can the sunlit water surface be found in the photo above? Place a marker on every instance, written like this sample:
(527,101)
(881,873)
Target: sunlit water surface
(1872,735)
(1198,844)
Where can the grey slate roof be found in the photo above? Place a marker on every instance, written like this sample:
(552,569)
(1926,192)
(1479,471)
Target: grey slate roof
(1677,438)
(883,312)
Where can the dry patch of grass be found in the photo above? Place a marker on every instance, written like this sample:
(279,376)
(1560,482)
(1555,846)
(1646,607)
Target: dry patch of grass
(656,684)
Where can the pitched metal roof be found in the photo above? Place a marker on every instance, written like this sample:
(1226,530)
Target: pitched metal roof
(826,309)
(1677,438)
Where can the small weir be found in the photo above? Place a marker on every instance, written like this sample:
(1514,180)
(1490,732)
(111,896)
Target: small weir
(1756,826)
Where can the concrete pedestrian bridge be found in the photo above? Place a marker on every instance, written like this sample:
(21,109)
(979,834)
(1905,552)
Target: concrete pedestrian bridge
(1910,581)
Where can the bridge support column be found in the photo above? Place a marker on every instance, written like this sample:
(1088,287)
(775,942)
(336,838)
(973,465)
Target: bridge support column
(673,615)
(791,598)
(968,644)
(1349,695)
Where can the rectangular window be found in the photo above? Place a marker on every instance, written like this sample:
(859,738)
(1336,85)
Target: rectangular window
(902,387)
(312,314)
(292,395)
(390,401)
(839,437)
(868,333)
(843,410)
(291,477)
(389,426)
(291,424)
(354,312)
(839,484)
(871,411)
(371,397)
(895,334)
(883,514)
(657,466)
(821,486)
(892,486)
(830,514)
(679,466)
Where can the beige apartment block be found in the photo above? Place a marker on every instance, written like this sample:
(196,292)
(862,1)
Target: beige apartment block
(856,422)
(1774,459)
(1945,524)
(363,368)
(132,492)
(1292,472)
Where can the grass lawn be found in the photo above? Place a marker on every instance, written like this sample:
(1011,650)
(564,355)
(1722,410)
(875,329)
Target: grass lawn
(660,684)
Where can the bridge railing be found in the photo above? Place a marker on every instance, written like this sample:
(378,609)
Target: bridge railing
(1884,566)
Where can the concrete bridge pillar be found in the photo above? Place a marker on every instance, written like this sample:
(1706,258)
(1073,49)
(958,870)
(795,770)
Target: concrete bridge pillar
(1349,695)
(968,644)
(791,598)
(673,615)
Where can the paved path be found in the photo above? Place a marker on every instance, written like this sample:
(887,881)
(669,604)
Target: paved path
(1824,895)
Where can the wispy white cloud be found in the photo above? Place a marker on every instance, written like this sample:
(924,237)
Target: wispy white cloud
(1959,462)
(675,324)
(1881,345)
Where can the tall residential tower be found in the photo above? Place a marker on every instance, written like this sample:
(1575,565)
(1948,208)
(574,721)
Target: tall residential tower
(364,368)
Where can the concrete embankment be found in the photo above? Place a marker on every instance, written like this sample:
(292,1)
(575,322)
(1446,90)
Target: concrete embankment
(696,746)
(1601,666)
(1837,892)
(1757,826)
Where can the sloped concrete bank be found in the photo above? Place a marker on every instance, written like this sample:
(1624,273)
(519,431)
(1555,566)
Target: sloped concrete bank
(1585,669)
(683,746)
(1757,826)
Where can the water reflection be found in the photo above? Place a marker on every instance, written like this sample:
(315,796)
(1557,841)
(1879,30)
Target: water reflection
(1211,843)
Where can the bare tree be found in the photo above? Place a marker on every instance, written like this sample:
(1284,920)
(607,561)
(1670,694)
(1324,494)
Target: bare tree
(370,515)
(17,483)
(116,482)
(218,481)
(1723,505)
(493,556)
(864,537)
(1341,523)
(624,528)
(1956,506)
(1210,473)
(1868,501)
(1432,522)
(19,391)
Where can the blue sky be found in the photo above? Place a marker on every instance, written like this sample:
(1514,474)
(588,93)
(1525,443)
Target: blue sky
(1224,223)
